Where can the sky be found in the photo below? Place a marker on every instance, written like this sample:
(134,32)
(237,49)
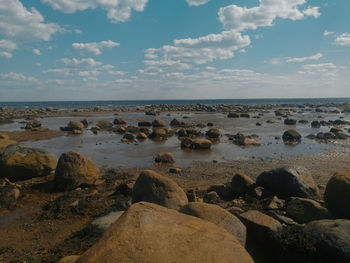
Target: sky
(53,50)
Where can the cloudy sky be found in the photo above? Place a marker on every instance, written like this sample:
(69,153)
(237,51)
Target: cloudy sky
(173,49)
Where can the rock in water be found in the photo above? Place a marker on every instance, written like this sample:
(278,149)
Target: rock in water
(158,123)
(20,162)
(218,216)
(155,188)
(291,136)
(150,233)
(165,157)
(289,182)
(201,144)
(331,239)
(74,169)
(337,195)
(213,133)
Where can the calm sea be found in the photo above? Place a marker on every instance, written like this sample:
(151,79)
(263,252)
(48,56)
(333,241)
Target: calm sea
(132,103)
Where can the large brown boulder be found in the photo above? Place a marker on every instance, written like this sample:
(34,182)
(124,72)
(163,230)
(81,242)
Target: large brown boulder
(331,239)
(337,194)
(155,188)
(260,227)
(20,162)
(305,210)
(74,169)
(218,216)
(241,183)
(289,182)
(150,233)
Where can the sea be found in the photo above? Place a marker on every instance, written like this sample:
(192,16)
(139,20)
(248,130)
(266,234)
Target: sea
(132,103)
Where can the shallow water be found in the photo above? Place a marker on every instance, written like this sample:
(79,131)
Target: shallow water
(107,149)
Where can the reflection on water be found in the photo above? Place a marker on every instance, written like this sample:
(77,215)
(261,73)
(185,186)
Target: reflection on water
(107,149)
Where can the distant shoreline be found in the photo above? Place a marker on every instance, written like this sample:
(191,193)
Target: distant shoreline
(133,103)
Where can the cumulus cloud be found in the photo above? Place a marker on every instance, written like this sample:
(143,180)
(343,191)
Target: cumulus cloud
(235,20)
(6,48)
(117,10)
(197,2)
(243,18)
(95,48)
(16,22)
(343,40)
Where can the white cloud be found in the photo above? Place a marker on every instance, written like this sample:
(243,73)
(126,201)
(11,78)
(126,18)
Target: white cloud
(117,10)
(60,71)
(6,48)
(223,45)
(324,69)
(84,62)
(197,2)
(243,18)
(94,47)
(327,33)
(18,78)
(303,59)
(16,22)
(36,51)
(343,40)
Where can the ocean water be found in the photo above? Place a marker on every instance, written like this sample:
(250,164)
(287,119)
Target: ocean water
(132,103)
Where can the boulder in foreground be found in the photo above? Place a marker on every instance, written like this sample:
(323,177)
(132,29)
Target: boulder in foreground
(151,233)
(21,162)
(289,182)
(74,169)
(155,188)
(331,239)
(337,195)
(218,216)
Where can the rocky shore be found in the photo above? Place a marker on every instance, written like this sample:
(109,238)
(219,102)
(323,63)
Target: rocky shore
(69,209)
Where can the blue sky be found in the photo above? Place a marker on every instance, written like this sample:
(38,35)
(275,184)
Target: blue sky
(173,49)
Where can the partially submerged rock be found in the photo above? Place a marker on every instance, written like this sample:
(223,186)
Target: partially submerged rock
(151,233)
(164,157)
(155,188)
(291,136)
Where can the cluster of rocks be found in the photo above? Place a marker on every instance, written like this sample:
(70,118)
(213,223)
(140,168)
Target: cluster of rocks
(279,216)
(19,162)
